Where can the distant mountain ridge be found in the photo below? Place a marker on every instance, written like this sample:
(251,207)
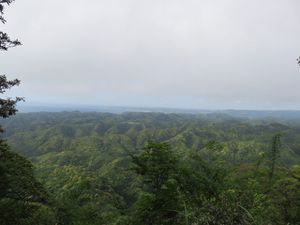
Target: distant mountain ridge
(249,114)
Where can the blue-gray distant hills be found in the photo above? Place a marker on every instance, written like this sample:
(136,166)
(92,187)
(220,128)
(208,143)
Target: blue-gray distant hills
(250,114)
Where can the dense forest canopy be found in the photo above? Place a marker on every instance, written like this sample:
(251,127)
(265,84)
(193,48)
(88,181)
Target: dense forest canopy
(34,133)
(158,168)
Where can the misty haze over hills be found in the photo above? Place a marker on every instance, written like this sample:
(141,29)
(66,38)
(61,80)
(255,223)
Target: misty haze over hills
(240,113)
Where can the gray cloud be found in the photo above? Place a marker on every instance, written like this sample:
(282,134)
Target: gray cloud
(192,53)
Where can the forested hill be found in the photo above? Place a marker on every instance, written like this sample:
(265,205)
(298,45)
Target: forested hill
(215,169)
(37,134)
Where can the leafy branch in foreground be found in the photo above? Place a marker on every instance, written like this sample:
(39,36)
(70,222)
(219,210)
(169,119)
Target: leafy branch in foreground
(22,196)
(8,105)
(2,2)
(5,41)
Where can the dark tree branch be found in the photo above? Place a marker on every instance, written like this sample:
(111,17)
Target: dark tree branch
(6,42)
(7,105)
(2,2)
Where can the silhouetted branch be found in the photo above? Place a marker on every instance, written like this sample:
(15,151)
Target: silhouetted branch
(6,42)
(8,105)
(2,2)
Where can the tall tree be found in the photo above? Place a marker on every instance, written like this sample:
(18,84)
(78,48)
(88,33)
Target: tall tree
(273,155)
(22,197)
(159,204)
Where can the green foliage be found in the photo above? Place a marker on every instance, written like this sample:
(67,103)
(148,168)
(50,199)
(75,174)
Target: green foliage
(274,154)
(286,198)
(159,203)
(22,197)
(100,168)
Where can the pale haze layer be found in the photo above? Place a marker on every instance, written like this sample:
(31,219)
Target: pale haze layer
(208,54)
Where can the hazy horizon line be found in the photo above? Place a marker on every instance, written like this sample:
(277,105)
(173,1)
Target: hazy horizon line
(99,106)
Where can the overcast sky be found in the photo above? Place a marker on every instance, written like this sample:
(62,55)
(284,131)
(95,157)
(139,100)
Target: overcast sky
(207,54)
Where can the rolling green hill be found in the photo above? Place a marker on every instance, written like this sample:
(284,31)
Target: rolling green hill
(84,160)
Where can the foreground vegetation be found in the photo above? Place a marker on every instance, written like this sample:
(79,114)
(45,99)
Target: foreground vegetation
(145,169)
(150,168)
